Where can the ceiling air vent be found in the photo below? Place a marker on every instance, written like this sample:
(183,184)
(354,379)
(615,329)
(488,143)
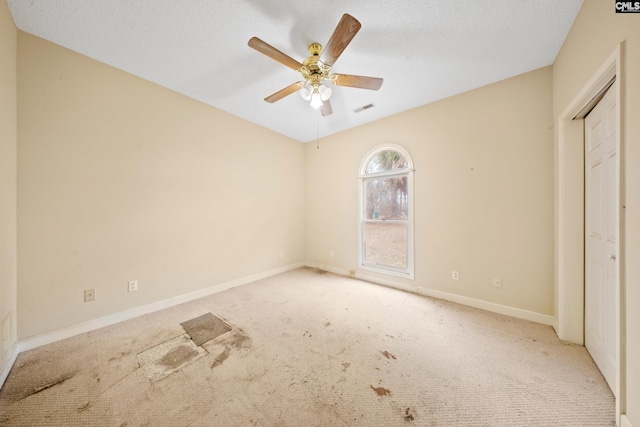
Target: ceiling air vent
(365,107)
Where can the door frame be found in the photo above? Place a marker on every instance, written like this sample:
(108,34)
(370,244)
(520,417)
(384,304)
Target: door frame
(570,227)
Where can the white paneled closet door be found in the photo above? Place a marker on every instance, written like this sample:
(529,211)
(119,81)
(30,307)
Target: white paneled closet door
(601,235)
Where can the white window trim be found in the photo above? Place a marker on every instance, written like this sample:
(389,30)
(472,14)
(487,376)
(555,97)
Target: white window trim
(407,273)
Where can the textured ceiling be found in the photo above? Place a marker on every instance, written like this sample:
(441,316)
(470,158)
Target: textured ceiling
(425,50)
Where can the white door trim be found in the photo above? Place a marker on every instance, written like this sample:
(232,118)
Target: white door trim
(570,215)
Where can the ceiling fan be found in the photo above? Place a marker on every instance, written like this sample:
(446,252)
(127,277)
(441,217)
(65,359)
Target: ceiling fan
(317,67)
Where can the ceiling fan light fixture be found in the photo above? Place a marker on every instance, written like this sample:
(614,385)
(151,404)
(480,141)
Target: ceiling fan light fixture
(305,93)
(316,100)
(325,93)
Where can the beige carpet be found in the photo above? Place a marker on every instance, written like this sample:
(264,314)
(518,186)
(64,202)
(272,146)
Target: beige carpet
(313,349)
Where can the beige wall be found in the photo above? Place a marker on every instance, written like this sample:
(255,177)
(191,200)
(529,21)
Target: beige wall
(118,176)
(595,34)
(8,147)
(120,179)
(483,192)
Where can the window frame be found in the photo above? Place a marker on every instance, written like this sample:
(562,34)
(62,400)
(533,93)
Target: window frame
(408,272)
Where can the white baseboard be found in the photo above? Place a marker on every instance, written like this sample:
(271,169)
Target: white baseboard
(60,334)
(519,313)
(13,355)
(624,421)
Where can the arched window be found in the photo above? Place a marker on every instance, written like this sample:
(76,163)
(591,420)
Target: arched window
(386,212)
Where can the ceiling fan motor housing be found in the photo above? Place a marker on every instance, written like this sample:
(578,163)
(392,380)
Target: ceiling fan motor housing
(313,70)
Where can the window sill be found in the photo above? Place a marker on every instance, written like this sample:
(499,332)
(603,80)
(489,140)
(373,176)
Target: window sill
(403,274)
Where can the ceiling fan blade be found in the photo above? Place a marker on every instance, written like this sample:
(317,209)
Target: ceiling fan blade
(284,92)
(326,109)
(362,82)
(341,37)
(273,53)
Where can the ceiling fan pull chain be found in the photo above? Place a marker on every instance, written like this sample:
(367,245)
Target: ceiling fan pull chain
(317,131)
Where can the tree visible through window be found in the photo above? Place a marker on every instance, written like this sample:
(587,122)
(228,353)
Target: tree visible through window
(386,227)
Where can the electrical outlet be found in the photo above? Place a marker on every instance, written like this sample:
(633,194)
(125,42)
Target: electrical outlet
(330,254)
(89,295)
(281,254)
(497,282)
(455,275)
(133,285)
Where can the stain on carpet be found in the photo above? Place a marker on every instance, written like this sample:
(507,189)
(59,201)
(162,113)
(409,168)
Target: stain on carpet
(62,378)
(388,355)
(178,356)
(219,360)
(44,384)
(205,328)
(316,270)
(409,414)
(240,340)
(171,356)
(380,391)
(236,340)
(84,407)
